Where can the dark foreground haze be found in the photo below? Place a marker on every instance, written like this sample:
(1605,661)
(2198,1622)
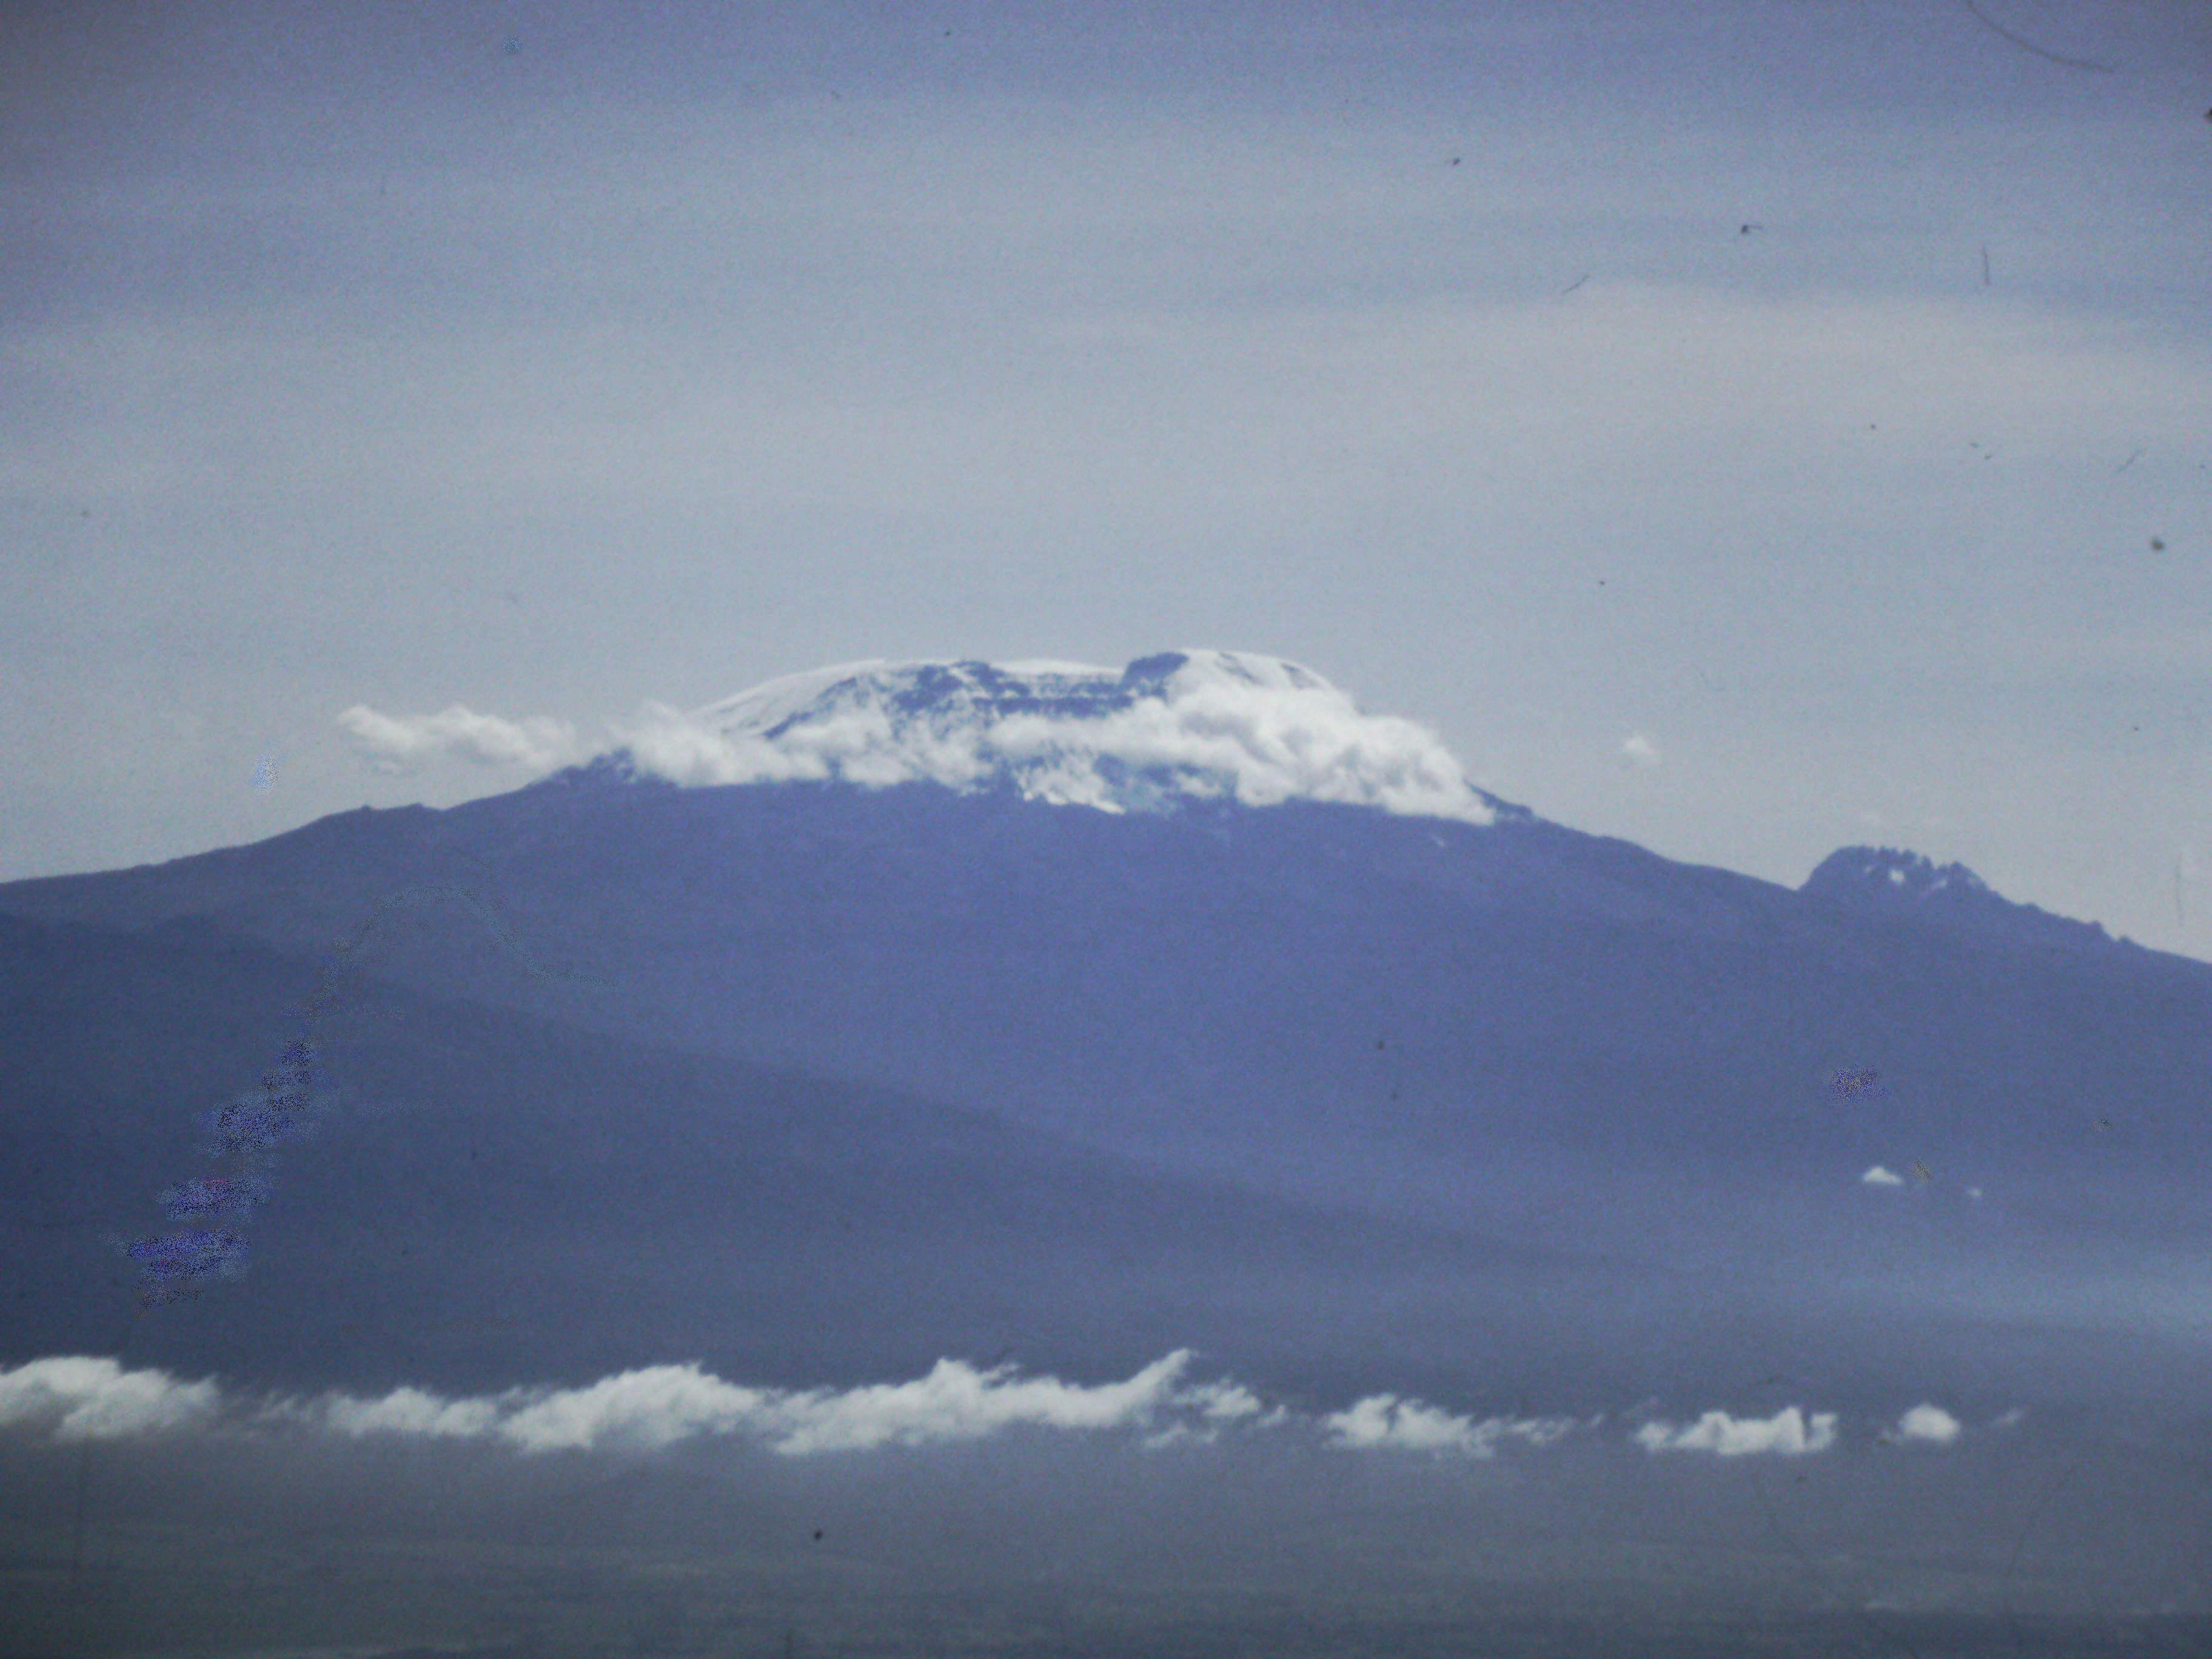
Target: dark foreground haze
(2052,1547)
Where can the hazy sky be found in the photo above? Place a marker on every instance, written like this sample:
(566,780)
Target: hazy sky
(1747,429)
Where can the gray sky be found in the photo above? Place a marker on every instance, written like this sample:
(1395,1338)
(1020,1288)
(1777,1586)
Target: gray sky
(550,359)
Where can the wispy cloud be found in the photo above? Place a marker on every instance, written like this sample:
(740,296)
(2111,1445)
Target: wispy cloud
(401,743)
(1384,1422)
(1790,1433)
(1639,751)
(1881,1175)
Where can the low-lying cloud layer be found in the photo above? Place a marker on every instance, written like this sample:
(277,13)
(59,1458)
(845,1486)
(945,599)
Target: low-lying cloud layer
(73,1399)
(77,1398)
(1207,724)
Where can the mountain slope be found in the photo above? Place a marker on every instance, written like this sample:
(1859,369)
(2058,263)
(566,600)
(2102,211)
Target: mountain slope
(1156,980)
(486,1197)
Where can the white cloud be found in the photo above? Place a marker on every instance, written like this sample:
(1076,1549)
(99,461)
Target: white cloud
(1928,1423)
(79,1398)
(956,1401)
(1160,1405)
(1208,725)
(76,1398)
(656,1406)
(660,1404)
(1789,1432)
(1383,1422)
(1638,750)
(399,744)
(1880,1175)
(410,1412)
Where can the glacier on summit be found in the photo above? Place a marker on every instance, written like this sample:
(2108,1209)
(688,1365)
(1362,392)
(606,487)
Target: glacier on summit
(1204,725)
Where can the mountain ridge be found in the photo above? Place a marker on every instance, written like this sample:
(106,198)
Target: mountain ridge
(1898,883)
(1143,978)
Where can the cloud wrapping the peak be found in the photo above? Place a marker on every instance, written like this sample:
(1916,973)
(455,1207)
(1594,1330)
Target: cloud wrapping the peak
(1208,726)
(400,744)
(1203,725)
(1790,1433)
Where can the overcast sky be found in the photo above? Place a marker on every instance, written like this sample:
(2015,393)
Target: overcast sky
(1747,429)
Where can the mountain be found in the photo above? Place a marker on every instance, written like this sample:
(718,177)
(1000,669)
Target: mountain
(1191,950)
(1888,881)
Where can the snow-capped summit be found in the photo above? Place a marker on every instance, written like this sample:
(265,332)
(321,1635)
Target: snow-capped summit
(1203,725)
